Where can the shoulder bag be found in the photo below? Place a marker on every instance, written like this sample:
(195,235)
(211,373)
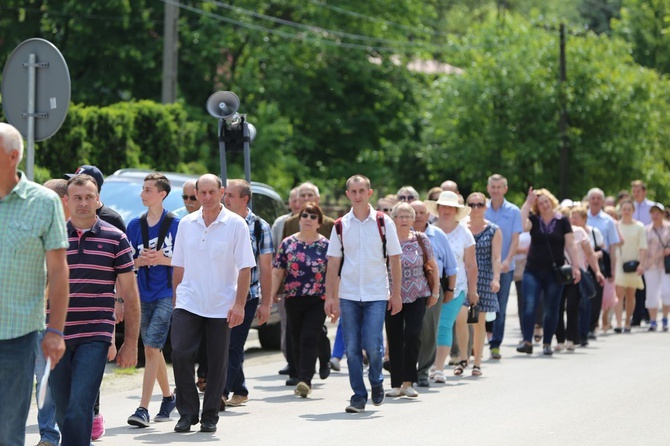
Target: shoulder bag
(431,276)
(604,262)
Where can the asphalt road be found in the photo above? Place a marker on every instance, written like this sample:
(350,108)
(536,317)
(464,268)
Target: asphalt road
(613,392)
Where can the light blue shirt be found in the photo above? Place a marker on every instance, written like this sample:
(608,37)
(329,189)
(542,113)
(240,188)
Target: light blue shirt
(444,256)
(508,218)
(641,212)
(606,226)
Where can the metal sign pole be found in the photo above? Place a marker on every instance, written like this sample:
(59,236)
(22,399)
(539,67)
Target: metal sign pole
(247,155)
(30,159)
(222,153)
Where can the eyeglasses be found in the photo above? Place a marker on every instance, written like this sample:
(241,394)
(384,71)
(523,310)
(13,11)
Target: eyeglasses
(306,215)
(384,209)
(477,205)
(189,197)
(406,197)
(404,217)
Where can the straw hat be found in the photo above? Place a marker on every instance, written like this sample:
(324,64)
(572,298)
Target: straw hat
(448,198)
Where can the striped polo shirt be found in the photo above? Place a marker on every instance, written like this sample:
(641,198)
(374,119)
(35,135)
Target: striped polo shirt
(95,258)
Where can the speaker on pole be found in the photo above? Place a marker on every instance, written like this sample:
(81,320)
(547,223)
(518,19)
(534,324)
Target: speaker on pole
(223,104)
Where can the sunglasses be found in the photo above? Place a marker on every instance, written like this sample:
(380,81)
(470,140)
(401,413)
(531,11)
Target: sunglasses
(477,205)
(306,215)
(189,197)
(406,197)
(384,209)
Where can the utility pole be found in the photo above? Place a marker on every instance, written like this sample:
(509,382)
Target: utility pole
(563,120)
(170,51)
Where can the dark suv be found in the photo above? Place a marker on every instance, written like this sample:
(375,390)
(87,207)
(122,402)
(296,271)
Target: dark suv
(121,192)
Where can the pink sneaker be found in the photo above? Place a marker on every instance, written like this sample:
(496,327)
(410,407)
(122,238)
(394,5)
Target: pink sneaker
(98,429)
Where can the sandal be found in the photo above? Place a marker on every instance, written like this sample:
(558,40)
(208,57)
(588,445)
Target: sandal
(476,370)
(202,383)
(458,370)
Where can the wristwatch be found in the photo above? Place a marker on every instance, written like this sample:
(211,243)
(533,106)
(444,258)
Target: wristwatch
(448,290)
(120,300)
(434,296)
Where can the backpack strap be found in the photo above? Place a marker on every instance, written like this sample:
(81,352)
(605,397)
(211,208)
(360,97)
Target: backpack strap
(338,231)
(162,233)
(381,226)
(258,234)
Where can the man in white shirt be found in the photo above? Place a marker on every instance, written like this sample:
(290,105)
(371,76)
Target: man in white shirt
(362,296)
(211,243)
(642,214)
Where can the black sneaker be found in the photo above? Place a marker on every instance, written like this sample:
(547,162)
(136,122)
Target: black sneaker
(377,395)
(292,381)
(525,348)
(356,406)
(324,370)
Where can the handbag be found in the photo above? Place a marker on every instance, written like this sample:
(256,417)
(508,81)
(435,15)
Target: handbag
(604,262)
(587,286)
(564,272)
(631,266)
(473,314)
(431,276)
(666,259)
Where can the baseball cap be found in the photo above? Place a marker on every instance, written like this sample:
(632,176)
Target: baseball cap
(658,206)
(88,170)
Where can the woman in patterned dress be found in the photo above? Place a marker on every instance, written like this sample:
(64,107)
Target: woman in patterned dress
(488,249)
(403,330)
(301,265)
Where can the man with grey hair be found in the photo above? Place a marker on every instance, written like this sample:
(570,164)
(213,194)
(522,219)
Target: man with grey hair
(34,243)
(508,217)
(599,219)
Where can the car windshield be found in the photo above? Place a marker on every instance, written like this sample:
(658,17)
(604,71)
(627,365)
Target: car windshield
(124,198)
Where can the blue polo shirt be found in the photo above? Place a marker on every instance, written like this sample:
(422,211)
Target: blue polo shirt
(508,218)
(606,225)
(444,256)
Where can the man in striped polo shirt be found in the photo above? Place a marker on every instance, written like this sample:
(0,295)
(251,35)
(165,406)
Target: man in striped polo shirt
(98,255)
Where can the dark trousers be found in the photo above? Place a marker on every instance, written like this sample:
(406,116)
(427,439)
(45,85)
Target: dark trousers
(570,307)
(235,381)
(305,317)
(323,349)
(640,313)
(403,332)
(596,308)
(187,332)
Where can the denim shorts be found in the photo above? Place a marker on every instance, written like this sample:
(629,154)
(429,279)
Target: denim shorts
(155,322)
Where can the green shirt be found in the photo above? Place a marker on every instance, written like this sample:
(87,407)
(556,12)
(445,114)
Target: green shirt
(31,222)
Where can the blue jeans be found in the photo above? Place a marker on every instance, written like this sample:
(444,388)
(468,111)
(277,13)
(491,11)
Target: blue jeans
(17,364)
(503,295)
(155,322)
(75,383)
(46,416)
(235,380)
(362,328)
(534,282)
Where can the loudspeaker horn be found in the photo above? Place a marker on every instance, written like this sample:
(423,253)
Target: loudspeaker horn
(252,132)
(223,104)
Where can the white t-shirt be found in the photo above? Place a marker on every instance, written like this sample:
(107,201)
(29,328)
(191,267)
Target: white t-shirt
(460,239)
(364,277)
(212,257)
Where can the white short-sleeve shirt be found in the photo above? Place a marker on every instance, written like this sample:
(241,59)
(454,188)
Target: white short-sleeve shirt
(460,239)
(364,276)
(212,257)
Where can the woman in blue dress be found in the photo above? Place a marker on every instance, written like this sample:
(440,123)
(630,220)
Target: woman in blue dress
(488,249)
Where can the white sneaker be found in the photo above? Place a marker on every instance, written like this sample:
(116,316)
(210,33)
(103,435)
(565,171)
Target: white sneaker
(570,346)
(559,347)
(439,377)
(409,391)
(431,374)
(394,392)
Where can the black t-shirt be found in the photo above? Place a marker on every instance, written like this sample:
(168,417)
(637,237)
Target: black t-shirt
(112,217)
(539,257)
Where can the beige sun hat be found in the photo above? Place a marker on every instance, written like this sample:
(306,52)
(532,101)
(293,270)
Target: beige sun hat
(448,198)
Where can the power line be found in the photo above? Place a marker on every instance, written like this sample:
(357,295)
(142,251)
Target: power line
(375,19)
(318,29)
(300,37)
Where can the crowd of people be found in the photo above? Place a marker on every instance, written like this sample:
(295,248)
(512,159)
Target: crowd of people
(434,276)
